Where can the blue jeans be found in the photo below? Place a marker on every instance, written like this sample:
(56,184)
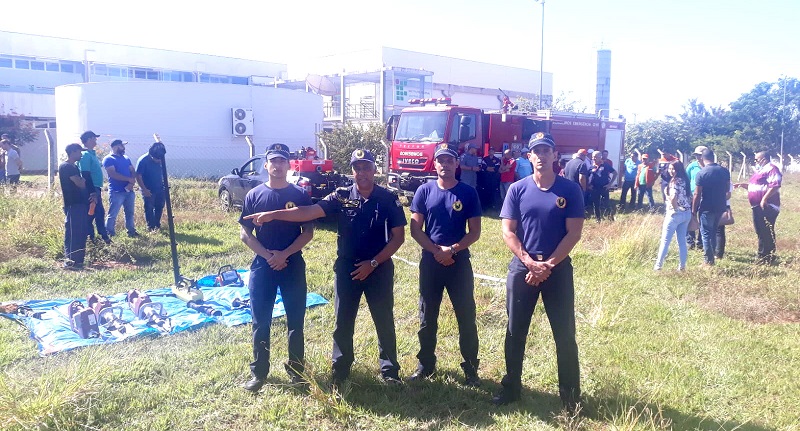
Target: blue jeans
(153,208)
(675,223)
(99,218)
(641,190)
(126,200)
(709,222)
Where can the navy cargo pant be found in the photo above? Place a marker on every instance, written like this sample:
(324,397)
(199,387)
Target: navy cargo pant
(458,279)
(378,290)
(76,224)
(558,296)
(263,286)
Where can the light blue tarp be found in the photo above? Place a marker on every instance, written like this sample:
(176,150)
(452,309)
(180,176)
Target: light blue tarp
(53,332)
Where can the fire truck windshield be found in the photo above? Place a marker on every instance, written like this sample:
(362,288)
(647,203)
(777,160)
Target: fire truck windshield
(421,127)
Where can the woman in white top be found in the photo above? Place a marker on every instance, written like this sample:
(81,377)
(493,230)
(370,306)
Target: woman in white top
(679,212)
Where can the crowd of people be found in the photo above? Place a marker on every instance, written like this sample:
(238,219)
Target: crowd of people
(81,178)
(543,209)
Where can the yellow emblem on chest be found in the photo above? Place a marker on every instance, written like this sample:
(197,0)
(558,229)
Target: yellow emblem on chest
(457,205)
(290,205)
(561,202)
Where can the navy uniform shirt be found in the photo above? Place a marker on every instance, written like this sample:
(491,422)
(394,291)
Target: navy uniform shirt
(277,234)
(574,169)
(150,170)
(541,214)
(364,225)
(71,192)
(600,176)
(446,211)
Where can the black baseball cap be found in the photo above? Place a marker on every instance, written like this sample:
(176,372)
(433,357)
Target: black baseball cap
(449,150)
(362,154)
(72,148)
(541,139)
(277,150)
(116,142)
(88,135)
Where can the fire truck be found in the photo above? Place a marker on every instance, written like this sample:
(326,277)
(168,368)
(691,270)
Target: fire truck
(421,128)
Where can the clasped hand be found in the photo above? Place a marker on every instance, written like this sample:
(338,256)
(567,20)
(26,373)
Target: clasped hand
(537,272)
(444,256)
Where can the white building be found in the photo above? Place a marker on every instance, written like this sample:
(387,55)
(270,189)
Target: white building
(375,83)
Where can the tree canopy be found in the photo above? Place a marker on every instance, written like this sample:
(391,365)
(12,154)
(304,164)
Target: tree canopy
(753,123)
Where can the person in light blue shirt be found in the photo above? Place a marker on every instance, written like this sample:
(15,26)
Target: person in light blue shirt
(524,166)
(92,173)
(692,237)
(629,180)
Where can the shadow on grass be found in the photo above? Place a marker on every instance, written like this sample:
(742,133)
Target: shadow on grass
(444,400)
(187,238)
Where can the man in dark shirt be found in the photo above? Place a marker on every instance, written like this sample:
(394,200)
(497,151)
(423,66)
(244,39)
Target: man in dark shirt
(76,208)
(542,221)
(489,181)
(712,184)
(151,182)
(370,230)
(446,208)
(601,178)
(278,262)
(576,170)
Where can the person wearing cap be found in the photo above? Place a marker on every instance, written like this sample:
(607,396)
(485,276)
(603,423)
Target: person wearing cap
(489,180)
(712,185)
(76,208)
(121,178)
(470,165)
(542,220)
(445,221)
(692,237)
(601,179)
(646,176)
(150,177)
(278,262)
(576,170)
(92,172)
(629,180)
(370,229)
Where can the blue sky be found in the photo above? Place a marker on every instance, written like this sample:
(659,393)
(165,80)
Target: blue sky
(663,52)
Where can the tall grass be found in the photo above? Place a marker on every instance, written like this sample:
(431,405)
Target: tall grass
(710,348)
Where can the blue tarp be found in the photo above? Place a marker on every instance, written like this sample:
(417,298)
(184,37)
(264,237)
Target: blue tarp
(53,332)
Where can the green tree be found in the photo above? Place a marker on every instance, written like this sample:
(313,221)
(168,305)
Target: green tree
(650,136)
(342,141)
(760,116)
(20,131)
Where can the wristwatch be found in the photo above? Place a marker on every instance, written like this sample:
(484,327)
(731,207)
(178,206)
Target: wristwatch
(373,263)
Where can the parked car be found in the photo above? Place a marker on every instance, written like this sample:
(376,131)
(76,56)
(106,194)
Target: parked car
(234,186)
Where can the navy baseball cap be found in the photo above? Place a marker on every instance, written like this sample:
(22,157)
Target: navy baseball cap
(116,142)
(448,150)
(85,136)
(541,139)
(277,150)
(362,154)
(72,148)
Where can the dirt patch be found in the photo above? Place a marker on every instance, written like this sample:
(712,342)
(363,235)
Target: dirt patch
(751,308)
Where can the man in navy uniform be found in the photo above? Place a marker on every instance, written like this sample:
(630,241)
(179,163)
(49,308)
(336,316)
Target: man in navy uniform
(76,208)
(542,221)
(278,262)
(445,208)
(370,230)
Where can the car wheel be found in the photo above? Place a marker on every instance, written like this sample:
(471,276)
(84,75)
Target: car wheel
(225,200)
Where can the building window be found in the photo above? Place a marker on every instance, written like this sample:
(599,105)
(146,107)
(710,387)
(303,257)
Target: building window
(152,75)
(37,65)
(22,64)
(140,74)
(115,71)
(188,77)
(6,62)
(67,68)
(239,80)
(51,67)
(100,69)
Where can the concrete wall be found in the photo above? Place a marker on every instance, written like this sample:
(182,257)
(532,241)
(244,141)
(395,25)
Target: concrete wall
(192,119)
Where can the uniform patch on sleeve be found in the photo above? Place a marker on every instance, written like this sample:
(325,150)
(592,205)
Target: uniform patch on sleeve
(561,202)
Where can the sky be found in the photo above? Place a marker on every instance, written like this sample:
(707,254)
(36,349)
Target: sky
(663,53)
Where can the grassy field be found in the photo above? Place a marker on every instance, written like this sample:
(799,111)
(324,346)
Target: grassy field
(710,348)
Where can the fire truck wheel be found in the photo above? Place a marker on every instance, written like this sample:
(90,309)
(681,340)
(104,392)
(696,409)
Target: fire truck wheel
(225,200)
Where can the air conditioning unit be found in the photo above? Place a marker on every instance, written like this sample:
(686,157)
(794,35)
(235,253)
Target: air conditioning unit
(242,121)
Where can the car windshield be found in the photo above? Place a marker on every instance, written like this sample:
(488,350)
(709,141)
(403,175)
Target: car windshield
(253,167)
(421,127)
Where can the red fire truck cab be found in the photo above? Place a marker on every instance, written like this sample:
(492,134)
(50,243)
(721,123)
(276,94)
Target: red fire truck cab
(420,129)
